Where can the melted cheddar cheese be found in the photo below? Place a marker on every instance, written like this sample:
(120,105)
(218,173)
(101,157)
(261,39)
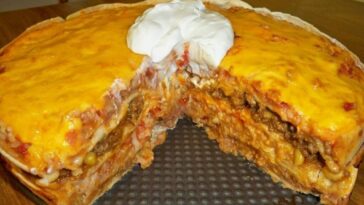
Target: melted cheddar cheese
(304,77)
(55,70)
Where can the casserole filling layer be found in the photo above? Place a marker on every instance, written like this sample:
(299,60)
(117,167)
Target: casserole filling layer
(242,125)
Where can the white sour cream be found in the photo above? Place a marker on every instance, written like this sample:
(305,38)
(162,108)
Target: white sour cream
(169,26)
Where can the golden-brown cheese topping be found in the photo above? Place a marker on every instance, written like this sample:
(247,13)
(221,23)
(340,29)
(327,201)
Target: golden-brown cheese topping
(311,82)
(60,68)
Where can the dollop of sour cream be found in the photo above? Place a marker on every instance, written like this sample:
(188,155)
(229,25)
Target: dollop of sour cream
(169,26)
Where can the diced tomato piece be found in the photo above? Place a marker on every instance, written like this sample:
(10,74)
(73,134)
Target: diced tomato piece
(185,58)
(345,69)
(155,112)
(2,69)
(183,101)
(71,137)
(284,105)
(348,106)
(150,73)
(22,149)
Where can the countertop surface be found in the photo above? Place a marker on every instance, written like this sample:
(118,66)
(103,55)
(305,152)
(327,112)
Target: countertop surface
(343,20)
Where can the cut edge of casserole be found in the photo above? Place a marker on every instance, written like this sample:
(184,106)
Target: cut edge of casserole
(244,126)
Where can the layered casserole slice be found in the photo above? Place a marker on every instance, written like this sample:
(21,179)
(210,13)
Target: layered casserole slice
(75,112)
(78,108)
(289,99)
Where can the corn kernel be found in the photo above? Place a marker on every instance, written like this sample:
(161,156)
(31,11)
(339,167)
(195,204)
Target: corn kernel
(298,157)
(90,158)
